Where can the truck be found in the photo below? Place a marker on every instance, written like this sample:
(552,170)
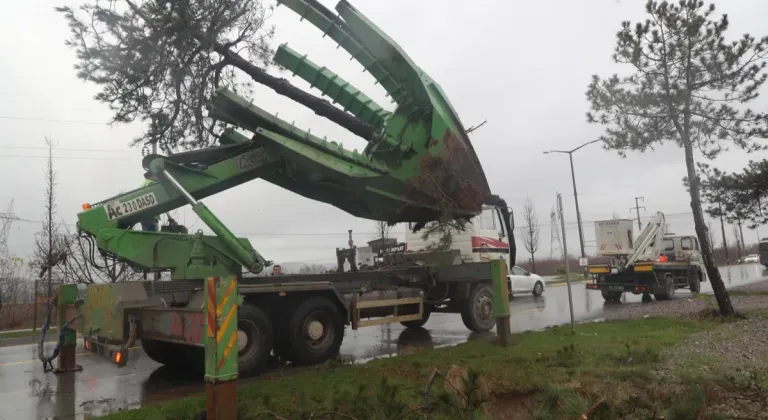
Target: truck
(656,262)
(419,167)
(484,238)
(763,251)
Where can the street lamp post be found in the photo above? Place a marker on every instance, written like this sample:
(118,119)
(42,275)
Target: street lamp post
(575,194)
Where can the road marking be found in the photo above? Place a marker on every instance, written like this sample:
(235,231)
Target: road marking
(20,362)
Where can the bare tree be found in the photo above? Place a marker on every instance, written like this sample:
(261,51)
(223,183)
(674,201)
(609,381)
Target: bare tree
(688,86)
(87,264)
(6,259)
(50,248)
(531,230)
(14,287)
(160,61)
(382,229)
(313,269)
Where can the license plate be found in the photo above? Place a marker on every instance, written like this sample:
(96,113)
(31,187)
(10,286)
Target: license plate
(615,287)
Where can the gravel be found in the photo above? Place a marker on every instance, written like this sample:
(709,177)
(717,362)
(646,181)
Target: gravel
(759,287)
(727,354)
(743,341)
(734,361)
(689,307)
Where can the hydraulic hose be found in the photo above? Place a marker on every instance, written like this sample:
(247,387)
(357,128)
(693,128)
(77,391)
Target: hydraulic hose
(48,360)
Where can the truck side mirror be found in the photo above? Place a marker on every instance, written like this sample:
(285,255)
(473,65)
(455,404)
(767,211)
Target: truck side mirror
(511,220)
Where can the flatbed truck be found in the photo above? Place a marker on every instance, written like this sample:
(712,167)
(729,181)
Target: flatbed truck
(300,319)
(418,167)
(658,263)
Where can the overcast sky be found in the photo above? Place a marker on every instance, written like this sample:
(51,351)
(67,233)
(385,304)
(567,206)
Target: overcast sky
(522,65)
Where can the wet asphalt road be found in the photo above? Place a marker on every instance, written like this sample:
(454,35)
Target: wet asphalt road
(28,393)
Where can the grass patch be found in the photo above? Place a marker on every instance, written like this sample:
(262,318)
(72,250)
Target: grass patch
(748,293)
(603,367)
(22,334)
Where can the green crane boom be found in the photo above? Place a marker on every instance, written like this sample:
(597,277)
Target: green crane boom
(418,166)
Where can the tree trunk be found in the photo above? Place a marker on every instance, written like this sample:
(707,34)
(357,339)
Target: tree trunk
(721,294)
(533,263)
(285,88)
(725,241)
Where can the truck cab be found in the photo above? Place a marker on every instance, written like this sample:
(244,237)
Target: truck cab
(484,239)
(682,248)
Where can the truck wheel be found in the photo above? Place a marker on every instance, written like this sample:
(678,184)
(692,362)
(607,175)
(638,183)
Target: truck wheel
(419,322)
(696,283)
(611,296)
(316,331)
(255,338)
(669,285)
(478,313)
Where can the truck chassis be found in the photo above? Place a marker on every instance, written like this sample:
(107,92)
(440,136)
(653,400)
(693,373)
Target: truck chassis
(661,279)
(298,318)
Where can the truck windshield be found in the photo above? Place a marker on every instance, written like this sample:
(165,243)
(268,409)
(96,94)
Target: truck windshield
(668,245)
(488,220)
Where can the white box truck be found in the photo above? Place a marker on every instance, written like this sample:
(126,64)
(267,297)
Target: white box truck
(655,262)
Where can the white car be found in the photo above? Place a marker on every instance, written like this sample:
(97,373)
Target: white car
(753,258)
(523,282)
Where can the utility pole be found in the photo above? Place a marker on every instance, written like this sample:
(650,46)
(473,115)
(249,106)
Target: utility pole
(741,234)
(554,233)
(725,241)
(576,198)
(565,256)
(637,210)
(157,226)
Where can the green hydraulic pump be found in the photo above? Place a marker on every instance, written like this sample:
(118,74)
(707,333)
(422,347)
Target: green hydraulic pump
(418,166)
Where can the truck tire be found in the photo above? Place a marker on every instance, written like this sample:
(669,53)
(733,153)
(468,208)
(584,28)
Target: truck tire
(315,332)
(611,296)
(695,284)
(477,314)
(419,322)
(255,338)
(669,285)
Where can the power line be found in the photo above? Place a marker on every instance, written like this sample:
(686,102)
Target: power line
(66,149)
(305,234)
(10,117)
(64,157)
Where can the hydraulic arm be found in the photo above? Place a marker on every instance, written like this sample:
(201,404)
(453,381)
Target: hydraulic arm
(418,166)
